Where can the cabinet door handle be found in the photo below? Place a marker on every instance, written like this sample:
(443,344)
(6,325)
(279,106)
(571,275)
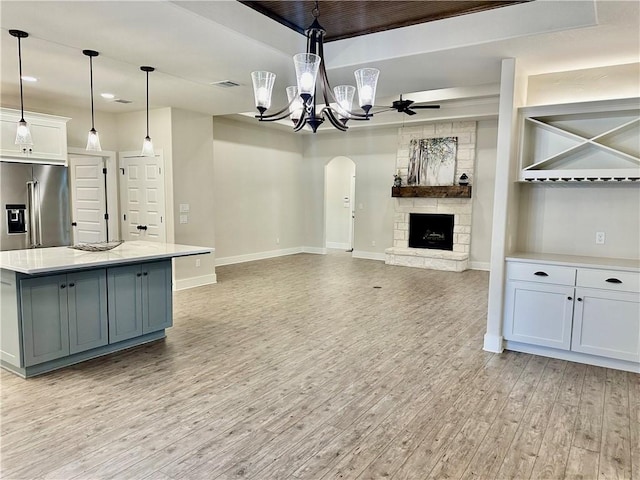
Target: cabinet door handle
(613,280)
(579,299)
(569,298)
(72,285)
(63,286)
(138,274)
(541,274)
(144,273)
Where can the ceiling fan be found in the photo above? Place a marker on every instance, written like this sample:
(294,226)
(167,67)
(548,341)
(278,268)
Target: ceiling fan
(404,106)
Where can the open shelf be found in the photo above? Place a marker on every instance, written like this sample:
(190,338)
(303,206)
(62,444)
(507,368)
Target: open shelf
(572,142)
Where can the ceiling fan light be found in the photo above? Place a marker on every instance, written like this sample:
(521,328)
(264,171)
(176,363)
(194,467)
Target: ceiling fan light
(344,97)
(93,141)
(367,81)
(295,103)
(23,134)
(306,65)
(262,89)
(147,148)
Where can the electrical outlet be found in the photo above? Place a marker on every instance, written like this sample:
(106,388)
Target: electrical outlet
(600,238)
(197,262)
(373,243)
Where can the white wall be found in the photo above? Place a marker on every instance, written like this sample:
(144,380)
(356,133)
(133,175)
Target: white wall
(482,194)
(192,157)
(339,172)
(258,190)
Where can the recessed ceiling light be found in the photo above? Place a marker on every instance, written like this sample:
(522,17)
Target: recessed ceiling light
(27,78)
(108,96)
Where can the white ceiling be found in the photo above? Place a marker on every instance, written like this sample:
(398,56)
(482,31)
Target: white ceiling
(194,43)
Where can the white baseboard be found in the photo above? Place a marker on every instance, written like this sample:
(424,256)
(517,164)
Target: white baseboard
(486,266)
(257,256)
(315,250)
(192,282)
(368,255)
(492,343)
(339,246)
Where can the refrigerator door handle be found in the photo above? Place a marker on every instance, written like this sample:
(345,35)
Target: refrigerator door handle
(38,211)
(31,223)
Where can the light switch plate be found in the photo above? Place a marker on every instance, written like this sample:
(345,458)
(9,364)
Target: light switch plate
(184,218)
(184,208)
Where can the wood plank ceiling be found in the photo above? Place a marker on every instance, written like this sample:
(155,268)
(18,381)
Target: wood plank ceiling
(351,18)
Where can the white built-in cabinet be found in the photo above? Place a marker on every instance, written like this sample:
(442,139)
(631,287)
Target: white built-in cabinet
(590,310)
(48,132)
(581,142)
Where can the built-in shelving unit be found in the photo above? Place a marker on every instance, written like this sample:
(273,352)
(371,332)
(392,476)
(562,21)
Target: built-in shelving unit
(437,191)
(585,142)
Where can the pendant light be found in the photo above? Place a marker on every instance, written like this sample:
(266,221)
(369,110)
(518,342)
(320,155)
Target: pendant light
(23,135)
(93,140)
(147,145)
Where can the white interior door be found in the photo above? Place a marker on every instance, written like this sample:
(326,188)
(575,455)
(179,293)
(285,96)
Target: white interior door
(88,199)
(142,206)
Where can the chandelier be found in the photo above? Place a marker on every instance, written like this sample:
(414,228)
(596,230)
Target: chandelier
(307,105)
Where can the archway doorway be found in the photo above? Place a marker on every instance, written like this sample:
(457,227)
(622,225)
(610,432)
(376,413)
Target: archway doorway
(339,203)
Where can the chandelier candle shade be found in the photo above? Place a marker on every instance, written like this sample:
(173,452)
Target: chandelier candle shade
(23,134)
(147,145)
(309,106)
(93,140)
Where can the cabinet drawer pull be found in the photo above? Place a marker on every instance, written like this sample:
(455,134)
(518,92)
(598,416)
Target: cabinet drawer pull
(579,299)
(63,286)
(72,285)
(569,298)
(144,273)
(138,274)
(541,274)
(613,280)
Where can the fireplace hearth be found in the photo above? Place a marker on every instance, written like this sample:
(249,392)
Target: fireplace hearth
(434,231)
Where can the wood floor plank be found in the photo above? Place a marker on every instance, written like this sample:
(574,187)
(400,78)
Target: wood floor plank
(615,453)
(298,368)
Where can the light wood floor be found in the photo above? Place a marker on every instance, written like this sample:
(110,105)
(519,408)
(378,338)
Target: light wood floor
(323,367)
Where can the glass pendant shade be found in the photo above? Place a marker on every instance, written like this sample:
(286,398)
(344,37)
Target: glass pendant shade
(262,88)
(306,65)
(344,96)
(23,134)
(295,103)
(147,148)
(367,81)
(93,141)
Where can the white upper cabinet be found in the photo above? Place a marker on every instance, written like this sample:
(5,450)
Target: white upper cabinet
(49,134)
(581,142)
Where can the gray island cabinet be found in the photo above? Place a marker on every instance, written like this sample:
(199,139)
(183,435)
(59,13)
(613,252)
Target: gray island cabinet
(59,311)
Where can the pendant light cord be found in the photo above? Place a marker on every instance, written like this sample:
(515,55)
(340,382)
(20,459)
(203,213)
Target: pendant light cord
(20,68)
(147,104)
(91,82)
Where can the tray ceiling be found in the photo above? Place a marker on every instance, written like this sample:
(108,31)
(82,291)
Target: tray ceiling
(346,19)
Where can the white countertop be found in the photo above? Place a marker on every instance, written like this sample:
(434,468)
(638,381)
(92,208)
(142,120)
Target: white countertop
(624,264)
(58,259)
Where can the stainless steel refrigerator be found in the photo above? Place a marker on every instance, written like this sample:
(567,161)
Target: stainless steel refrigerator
(35,200)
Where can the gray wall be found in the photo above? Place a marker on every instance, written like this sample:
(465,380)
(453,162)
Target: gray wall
(258,189)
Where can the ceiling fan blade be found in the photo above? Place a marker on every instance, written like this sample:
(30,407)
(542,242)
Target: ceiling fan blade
(408,111)
(426,106)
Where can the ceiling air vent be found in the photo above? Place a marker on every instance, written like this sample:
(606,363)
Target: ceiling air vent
(122,100)
(225,84)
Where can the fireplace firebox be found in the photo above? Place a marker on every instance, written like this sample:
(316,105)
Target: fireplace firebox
(427,230)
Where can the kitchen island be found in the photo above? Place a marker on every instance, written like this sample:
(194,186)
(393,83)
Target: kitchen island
(61,306)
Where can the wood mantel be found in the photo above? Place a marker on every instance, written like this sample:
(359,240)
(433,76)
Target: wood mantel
(438,191)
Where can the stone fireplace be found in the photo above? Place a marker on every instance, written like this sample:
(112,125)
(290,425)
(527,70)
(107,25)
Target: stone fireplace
(403,252)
